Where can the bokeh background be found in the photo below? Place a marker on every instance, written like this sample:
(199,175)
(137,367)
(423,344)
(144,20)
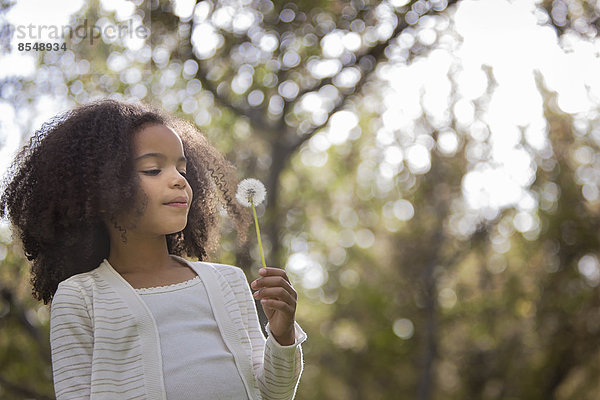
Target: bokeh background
(432,170)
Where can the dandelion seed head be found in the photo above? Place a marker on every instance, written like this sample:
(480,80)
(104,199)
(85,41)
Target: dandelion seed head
(250,191)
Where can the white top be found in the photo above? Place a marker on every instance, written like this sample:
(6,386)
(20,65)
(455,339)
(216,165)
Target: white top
(196,362)
(105,342)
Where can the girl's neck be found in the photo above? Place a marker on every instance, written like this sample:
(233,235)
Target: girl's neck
(147,255)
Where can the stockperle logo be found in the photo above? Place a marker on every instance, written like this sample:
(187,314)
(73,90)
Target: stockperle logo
(84,31)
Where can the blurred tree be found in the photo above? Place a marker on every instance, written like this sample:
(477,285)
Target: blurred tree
(580,17)
(399,298)
(25,371)
(271,62)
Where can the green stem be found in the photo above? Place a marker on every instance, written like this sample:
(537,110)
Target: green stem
(262,257)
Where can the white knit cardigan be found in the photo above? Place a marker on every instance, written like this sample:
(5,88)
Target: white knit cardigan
(105,342)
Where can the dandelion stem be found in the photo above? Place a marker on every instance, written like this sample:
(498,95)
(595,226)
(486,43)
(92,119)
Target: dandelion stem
(260,250)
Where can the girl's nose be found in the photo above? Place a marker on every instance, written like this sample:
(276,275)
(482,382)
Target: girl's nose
(179,180)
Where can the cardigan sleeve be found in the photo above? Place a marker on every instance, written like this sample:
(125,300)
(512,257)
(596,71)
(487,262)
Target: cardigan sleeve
(71,342)
(277,368)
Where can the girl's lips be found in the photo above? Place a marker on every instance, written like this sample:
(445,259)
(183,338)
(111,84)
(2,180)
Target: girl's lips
(178,205)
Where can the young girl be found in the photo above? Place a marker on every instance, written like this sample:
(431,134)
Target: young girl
(107,199)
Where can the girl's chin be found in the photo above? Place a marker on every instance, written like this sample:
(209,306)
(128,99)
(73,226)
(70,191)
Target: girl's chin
(175,229)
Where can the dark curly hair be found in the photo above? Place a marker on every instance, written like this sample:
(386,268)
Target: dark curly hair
(78,171)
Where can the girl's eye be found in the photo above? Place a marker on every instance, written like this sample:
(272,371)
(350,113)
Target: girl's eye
(154,172)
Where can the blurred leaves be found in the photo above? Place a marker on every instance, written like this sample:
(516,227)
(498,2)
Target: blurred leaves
(25,370)
(405,290)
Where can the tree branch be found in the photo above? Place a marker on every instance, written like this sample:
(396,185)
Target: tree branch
(255,116)
(367,63)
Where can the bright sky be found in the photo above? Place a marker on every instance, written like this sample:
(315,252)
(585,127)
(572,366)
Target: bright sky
(503,35)
(508,38)
(27,12)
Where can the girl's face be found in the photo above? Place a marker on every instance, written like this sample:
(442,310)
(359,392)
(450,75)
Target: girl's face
(161,166)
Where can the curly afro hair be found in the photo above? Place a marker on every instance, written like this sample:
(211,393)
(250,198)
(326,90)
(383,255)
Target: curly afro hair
(77,171)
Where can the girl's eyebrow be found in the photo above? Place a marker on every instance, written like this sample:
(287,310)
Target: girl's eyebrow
(158,155)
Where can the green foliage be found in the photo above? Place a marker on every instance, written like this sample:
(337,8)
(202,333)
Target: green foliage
(398,301)
(25,370)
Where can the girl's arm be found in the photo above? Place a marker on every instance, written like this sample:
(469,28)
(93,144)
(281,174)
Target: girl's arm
(276,367)
(71,341)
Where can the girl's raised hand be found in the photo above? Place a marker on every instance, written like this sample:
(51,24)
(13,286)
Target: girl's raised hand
(278,299)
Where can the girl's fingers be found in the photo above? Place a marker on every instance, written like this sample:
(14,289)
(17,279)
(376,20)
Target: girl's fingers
(278,305)
(273,271)
(274,282)
(278,293)
(278,299)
